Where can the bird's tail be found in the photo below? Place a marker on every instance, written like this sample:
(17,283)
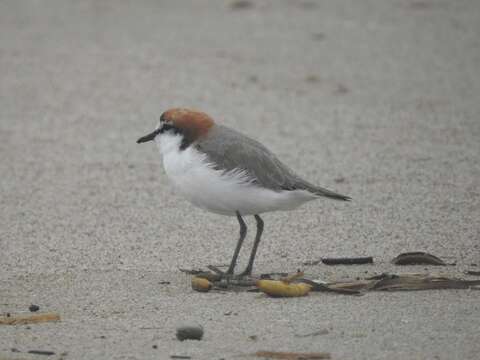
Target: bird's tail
(317,190)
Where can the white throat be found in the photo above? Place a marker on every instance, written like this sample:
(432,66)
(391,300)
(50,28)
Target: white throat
(168,142)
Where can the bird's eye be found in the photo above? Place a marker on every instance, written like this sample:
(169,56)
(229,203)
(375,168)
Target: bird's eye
(164,128)
(168,127)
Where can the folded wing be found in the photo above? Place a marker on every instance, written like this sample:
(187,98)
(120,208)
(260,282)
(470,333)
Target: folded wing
(230,150)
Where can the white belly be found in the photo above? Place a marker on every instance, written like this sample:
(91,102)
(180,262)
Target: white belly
(219,192)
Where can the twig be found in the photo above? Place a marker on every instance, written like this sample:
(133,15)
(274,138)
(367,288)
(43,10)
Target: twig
(348,261)
(41,352)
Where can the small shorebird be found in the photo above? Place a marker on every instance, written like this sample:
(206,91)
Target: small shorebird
(220,170)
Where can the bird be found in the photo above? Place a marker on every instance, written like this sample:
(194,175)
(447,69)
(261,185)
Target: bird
(223,171)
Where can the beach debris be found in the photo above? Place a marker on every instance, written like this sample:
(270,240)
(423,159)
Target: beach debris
(394,282)
(344,287)
(278,288)
(41,352)
(348,261)
(315,333)
(241,5)
(404,282)
(189,332)
(296,284)
(417,258)
(285,286)
(34,308)
(312,262)
(180,357)
(472,272)
(209,275)
(293,355)
(288,278)
(20,319)
(412,282)
(274,275)
(201,284)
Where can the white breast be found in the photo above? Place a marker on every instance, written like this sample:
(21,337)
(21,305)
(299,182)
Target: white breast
(214,190)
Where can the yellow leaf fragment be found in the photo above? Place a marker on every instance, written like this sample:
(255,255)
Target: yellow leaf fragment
(201,284)
(278,288)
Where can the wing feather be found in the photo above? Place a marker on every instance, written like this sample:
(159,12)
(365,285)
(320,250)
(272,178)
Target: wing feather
(230,150)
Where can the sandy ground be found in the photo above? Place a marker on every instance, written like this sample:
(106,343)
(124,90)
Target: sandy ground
(375,99)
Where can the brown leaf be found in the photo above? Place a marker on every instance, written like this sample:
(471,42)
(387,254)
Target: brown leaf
(417,258)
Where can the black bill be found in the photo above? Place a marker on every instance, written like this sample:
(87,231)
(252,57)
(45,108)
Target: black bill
(148,137)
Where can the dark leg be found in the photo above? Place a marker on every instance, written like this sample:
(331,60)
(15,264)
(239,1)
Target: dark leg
(243,233)
(248,270)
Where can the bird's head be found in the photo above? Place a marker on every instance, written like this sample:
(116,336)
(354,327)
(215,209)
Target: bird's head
(190,125)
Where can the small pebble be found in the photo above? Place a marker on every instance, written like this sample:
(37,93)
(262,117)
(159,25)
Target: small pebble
(34,308)
(189,332)
(241,4)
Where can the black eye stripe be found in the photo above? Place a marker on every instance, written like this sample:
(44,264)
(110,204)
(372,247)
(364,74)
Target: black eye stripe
(186,141)
(167,127)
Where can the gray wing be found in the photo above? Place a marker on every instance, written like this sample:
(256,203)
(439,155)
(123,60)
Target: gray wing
(231,150)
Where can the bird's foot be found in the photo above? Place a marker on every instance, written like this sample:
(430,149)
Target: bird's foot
(229,278)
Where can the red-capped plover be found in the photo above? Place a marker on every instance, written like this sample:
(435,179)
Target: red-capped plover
(223,171)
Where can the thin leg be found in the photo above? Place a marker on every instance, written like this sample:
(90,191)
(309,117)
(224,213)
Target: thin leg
(248,270)
(243,233)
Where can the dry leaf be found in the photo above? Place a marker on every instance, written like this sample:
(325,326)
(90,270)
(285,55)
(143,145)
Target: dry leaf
(28,319)
(417,258)
(277,288)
